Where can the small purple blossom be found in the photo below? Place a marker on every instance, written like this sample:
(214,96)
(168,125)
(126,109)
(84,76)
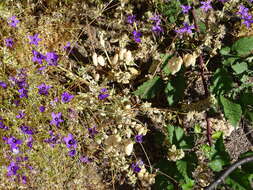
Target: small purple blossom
(185,8)
(136,166)
(42,108)
(12,169)
(70,141)
(26,130)
(85,159)
(24,179)
(92,131)
(2,126)
(3,84)
(103,94)
(206,5)
(37,57)
(20,115)
(56,119)
(137,36)
(131,19)
(72,153)
(13,142)
(66,97)
(30,142)
(53,139)
(23,93)
(9,42)
(34,39)
(245,16)
(52,58)
(138,138)
(156,19)
(157,29)
(13,21)
(43,88)
(186,29)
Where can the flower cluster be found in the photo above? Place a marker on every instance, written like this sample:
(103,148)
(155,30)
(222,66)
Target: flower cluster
(245,16)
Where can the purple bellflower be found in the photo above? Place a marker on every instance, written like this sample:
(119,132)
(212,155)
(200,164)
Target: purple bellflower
(186,8)
(12,169)
(9,42)
(43,88)
(23,93)
(103,94)
(72,153)
(20,115)
(70,141)
(66,97)
(37,57)
(52,58)
(206,5)
(138,138)
(26,130)
(3,84)
(13,21)
(137,36)
(56,119)
(34,39)
(131,19)
(186,29)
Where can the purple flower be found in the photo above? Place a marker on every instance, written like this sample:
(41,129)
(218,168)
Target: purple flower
(9,42)
(24,179)
(3,84)
(43,89)
(131,19)
(12,169)
(26,130)
(92,131)
(206,5)
(72,153)
(138,138)
(136,167)
(37,57)
(156,19)
(245,16)
(42,108)
(66,97)
(23,93)
(2,126)
(85,159)
(20,115)
(70,141)
(157,29)
(185,8)
(13,21)
(52,58)
(34,39)
(56,119)
(137,36)
(53,139)
(30,142)
(13,142)
(186,29)
(103,94)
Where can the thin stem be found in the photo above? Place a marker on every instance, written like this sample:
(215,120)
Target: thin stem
(228,171)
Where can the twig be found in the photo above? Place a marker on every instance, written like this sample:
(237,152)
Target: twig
(202,65)
(228,171)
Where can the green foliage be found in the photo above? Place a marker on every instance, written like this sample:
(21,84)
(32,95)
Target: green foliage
(243,46)
(149,88)
(175,89)
(240,67)
(233,111)
(171,10)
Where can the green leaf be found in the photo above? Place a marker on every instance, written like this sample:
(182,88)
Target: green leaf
(225,51)
(189,185)
(149,88)
(217,135)
(247,98)
(179,133)
(243,46)
(239,180)
(216,165)
(240,67)
(229,61)
(175,89)
(202,27)
(170,133)
(233,111)
(222,82)
(182,168)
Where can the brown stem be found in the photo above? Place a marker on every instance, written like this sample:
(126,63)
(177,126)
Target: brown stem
(229,170)
(202,66)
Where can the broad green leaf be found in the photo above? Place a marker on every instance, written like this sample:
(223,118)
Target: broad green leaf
(243,46)
(149,88)
(240,67)
(225,51)
(216,165)
(189,185)
(179,133)
(175,89)
(222,82)
(182,168)
(217,135)
(233,111)
(229,61)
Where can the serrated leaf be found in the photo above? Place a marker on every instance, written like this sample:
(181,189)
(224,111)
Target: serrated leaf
(175,89)
(149,88)
(179,132)
(240,67)
(182,168)
(233,111)
(243,46)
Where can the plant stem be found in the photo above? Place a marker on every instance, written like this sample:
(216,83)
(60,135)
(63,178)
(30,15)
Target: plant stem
(228,171)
